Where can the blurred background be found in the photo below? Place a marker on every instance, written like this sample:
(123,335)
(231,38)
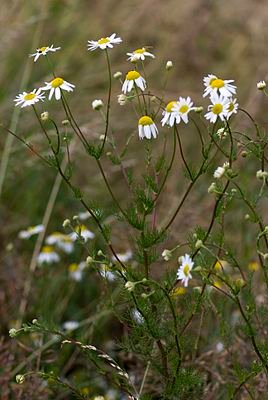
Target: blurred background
(228,39)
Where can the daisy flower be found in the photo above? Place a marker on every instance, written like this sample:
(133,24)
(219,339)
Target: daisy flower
(47,256)
(139,54)
(218,108)
(42,51)
(56,85)
(184,271)
(213,84)
(28,99)
(147,128)
(133,77)
(62,241)
(32,230)
(76,271)
(104,43)
(182,108)
(232,107)
(170,116)
(81,231)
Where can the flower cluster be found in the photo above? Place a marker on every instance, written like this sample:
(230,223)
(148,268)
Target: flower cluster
(220,92)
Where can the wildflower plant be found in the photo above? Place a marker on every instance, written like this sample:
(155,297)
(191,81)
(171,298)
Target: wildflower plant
(163,314)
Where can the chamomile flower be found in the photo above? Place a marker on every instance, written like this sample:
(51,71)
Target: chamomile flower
(147,128)
(47,256)
(218,108)
(104,43)
(184,271)
(57,85)
(232,107)
(182,108)
(139,54)
(213,84)
(42,51)
(81,231)
(29,99)
(62,241)
(170,116)
(133,77)
(32,230)
(76,271)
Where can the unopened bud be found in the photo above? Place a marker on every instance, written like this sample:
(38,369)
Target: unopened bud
(89,260)
(117,75)
(261,85)
(13,332)
(199,109)
(66,223)
(44,116)
(20,379)
(169,65)
(130,286)
(167,255)
(97,104)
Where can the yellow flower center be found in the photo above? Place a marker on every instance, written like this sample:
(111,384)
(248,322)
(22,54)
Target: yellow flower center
(145,120)
(29,96)
(47,249)
(57,82)
(183,109)
(186,270)
(140,51)
(73,267)
(42,49)
(217,108)
(170,106)
(231,107)
(132,75)
(103,41)
(253,266)
(216,83)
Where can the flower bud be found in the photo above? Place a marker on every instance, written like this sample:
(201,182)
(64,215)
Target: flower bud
(169,65)
(198,244)
(44,116)
(261,85)
(122,99)
(261,174)
(13,332)
(199,109)
(117,75)
(97,104)
(89,260)
(65,122)
(130,286)
(66,223)
(20,379)
(167,255)
(212,188)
